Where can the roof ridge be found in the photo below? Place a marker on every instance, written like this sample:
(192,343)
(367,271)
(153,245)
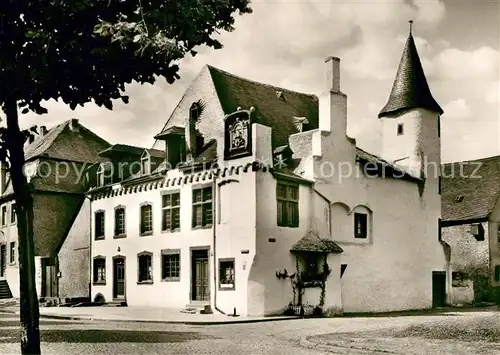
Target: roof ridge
(211,67)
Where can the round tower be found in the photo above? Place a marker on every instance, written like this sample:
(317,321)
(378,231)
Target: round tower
(411,119)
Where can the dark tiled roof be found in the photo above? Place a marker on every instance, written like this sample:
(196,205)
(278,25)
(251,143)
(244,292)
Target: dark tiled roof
(156,153)
(42,143)
(122,149)
(410,88)
(366,157)
(208,152)
(271,110)
(312,243)
(472,193)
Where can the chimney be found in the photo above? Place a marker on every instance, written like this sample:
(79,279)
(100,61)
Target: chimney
(333,74)
(43,130)
(333,103)
(73,125)
(190,134)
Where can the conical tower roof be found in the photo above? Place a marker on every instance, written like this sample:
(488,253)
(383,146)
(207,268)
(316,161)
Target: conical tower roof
(410,88)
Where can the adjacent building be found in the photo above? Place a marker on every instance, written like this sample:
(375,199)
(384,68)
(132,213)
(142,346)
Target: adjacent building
(254,200)
(56,163)
(471,226)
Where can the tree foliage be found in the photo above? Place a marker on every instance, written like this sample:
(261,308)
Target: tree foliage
(84,50)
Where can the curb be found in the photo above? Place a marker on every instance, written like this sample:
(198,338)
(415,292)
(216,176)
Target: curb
(91,318)
(340,350)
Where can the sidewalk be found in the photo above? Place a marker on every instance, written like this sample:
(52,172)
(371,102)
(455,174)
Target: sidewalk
(142,314)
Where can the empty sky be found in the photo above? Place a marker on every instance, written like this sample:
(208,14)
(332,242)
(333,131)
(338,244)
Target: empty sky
(284,43)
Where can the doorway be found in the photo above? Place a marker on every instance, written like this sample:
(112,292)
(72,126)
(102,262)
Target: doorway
(119,277)
(438,288)
(200,290)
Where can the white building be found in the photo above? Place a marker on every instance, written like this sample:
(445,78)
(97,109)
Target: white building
(249,214)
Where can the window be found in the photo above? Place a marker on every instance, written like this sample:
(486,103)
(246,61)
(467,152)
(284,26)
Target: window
(171,209)
(439,185)
(226,274)
(4,215)
(99,225)
(145,165)
(146,219)
(12,252)
(13,213)
(119,221)
(105,174)
(100,176)
(202,207)
(400,129)
(99,270)
(145,269)
(343,267)
(477,231)
(194,112)
(287,197)
(360,225)
(497,272)
(439,127)
(171,264)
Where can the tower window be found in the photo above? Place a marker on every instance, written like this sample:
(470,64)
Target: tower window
(400,129)
(194,112)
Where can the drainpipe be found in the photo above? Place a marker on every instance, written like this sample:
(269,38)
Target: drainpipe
(214,226)
(90,247)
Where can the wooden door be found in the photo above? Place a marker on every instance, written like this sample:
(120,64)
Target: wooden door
(201,290)
(119,278)
(438,288)
(3,259)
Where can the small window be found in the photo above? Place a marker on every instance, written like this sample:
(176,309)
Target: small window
(99,272)
(119,221)
(477,231)
(194,112)
(12,252)
(226,274)
(360,225)
(287,198)
(440,181)
(459,198)
(4,215)
(202,207)
(99,225)
(145,165)
(171,210)
(497,272)
(400,129)
(145,267)
(171,265)
(13,216)
(498,234)
(146,219)
(439,127)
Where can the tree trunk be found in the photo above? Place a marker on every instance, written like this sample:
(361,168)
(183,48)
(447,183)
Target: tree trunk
(29,313)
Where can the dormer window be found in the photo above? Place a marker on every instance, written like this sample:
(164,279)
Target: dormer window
(194,112)
(100,176)
(146,165)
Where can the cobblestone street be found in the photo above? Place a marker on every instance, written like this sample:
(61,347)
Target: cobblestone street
(396,335)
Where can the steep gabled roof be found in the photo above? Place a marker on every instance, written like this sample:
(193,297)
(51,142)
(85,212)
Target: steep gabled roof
(470,189)
(276,107)
(54,144)
(410,88)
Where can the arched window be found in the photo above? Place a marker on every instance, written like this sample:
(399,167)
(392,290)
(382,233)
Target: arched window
(146,219)
(119,221)
(145,267)
(194,112)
